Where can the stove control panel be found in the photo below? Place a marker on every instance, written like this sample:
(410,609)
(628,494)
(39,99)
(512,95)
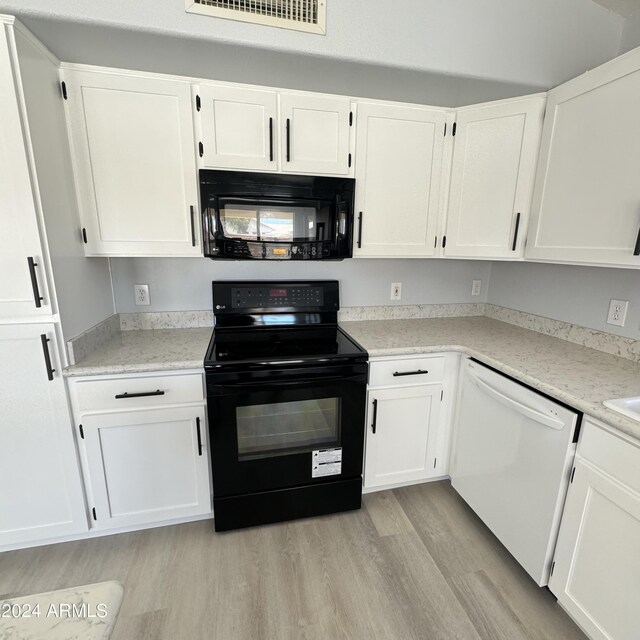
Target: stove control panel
(276,296)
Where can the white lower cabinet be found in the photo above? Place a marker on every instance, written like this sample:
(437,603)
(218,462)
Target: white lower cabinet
(596,574)
(407,434)
(146,460)
(40,483)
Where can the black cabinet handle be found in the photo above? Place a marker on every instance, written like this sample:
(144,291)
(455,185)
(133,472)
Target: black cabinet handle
(360,230)
(271,139)
(47,356)
(636,251)
(199,436)
(419,372)
(375,416)
(34,282)
(515,232)
(288,140)
(193,226)
(144,394)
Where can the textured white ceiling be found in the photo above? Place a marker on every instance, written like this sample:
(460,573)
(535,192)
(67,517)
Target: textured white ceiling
(625,8)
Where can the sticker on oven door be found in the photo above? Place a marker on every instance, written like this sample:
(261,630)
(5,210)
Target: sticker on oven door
(326,462)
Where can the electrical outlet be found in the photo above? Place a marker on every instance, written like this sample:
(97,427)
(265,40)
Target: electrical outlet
(141,293)
(476,285)
(396,290)
(617,312)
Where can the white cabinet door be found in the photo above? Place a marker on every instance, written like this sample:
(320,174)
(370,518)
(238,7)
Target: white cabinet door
(23,284)
(494,160)
(398,177)
(147,466)
(314,134)
(41,495)
(402,428)
(586,204)
(596,576)
(133,141)
(239,128)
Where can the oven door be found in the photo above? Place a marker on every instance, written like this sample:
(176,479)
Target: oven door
(277,429)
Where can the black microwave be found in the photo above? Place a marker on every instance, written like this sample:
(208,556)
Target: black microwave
(266,216)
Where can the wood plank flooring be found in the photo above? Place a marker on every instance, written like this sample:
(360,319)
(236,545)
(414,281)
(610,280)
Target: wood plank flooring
(413,563)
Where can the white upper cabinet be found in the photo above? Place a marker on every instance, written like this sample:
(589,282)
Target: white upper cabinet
(399,153)
(41,494)
(494,160)
(23,285)
(239,127)
(133,144)
(315,134)
(586,205)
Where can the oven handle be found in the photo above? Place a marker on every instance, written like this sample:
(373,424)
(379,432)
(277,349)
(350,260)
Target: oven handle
(285,383)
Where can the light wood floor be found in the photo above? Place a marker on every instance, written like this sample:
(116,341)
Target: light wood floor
(413,563)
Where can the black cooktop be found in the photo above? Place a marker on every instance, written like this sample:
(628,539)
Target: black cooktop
(281,346)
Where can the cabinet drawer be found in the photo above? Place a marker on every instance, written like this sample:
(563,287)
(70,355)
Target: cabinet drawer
(617,457)
(122,393)
(406,372)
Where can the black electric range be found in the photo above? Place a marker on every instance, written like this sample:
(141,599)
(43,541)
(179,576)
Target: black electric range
(286,391)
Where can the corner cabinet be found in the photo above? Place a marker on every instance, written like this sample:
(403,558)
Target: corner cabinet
(399,165)
(494,160)
(586,205)
(407,437)
(41,496)
(143,442)
(135,160)
(596,568)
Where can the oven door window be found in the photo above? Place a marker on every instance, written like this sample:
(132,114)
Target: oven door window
(275,220)
(283,428)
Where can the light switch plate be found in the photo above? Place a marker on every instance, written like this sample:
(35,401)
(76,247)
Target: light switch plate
(396,290)
(476,285)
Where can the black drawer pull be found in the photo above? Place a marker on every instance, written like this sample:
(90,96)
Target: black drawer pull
(636,251)
(375,416)
(144,394)
(270,139)
(199,436)
(360,230)
(419,372)
(34,282)
(47,356)
(193,226)
(288,140)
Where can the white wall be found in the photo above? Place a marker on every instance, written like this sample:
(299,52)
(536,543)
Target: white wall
(631,33)
(177,284)
(579,295)
(536,42)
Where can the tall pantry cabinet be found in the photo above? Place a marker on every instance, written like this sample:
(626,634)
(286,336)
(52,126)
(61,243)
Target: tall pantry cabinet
(42,494)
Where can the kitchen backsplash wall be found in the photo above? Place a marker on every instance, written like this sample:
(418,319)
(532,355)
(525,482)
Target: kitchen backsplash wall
(183,284)
(579,295)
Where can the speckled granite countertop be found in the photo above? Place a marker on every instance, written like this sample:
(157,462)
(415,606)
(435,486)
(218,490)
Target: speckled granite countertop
(151,350)
(581,377)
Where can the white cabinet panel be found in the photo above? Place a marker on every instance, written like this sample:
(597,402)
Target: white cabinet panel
(398,176)
(239,127)
(597,563)
(314,134)
(401,434)
(132,137)
(41,494)
(494,160)
(586,205)
(147,466)
(20,237)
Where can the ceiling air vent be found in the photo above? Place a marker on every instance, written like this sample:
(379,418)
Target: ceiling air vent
(301,15)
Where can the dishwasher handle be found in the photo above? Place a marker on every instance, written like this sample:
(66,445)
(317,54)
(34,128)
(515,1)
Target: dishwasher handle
(523,409)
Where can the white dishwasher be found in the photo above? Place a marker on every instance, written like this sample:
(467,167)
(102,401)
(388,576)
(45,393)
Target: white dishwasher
(512,458)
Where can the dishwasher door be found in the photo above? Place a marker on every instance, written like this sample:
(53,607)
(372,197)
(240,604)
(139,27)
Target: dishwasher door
(512,456)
